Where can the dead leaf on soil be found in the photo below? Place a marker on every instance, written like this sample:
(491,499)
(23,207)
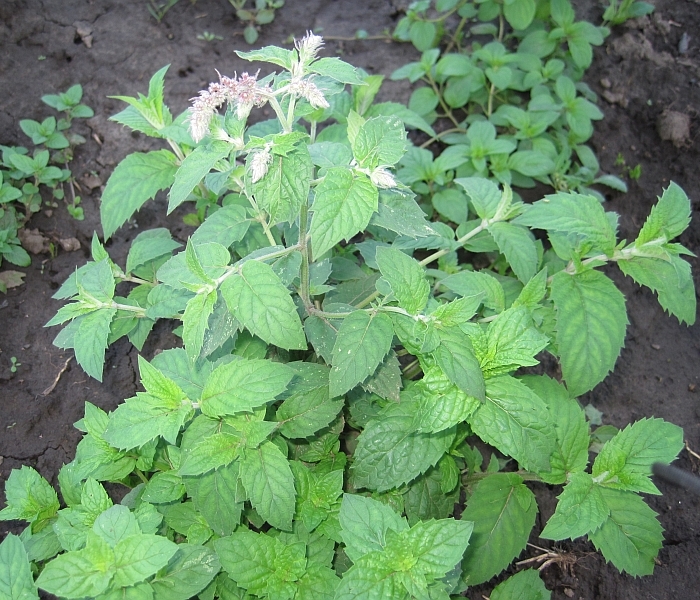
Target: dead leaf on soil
(33,241)
(84,31)
(10,279)
(69,244)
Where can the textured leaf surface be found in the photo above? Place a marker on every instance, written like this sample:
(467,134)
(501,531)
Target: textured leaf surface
(581,509)
(503,511)
(29,496)
(267,478)
(526,585)
(668,218)
(343,206)
(214,496)
(242,385)
(390,452)
(259,300)
(518,246)
(16,581)
(625,461)
(193,169)
(187,573)
(516,421)
(406,278)
(455,356)
(631,537)
(90,341)
(135,180)
(362,342)
(591,322)
(140,556)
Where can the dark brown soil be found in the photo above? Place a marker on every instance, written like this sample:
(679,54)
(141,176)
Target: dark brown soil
(640,71)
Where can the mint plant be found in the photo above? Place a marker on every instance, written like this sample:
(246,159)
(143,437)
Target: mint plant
(340,359)
(22,176)
(512,109)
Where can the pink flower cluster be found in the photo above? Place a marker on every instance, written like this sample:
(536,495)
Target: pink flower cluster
(243,92)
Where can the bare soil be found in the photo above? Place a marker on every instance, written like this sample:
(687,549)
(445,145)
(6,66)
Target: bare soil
(643,74)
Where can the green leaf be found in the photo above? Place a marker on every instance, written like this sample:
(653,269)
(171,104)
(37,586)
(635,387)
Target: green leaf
(365,522)
(472,283)
(516,421)
(195,322)
(625,461)
(422,34)
(213,452)
(572,437)
(149,245)
(575,215)
(261,564)
(135,180)
(115,524)
(381,141)
(308,406)
(342,207)
(668,218)
(271,54)
(144,418)
(362,342)
(386,381)
(518,246)
(82,573)
(29,497)
(391,453)
(399,212)
(284,189)
(16,581)
(503,511)
(215,497)
(441,404)
(437,546)
(193,169)
(581,509)
(406,278)
(90,341)
(267,478)
(425,498)
(140,556)
(591,321)
(259,300)
(519,14)
(316,494)
(631,537)
(189,571)
(455,356)
(526,585)
(242,385)
(336,69)
(370,578)
(227,225)
(672,281)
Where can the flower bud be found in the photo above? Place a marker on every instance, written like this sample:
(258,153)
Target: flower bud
(382,178)
(259,164)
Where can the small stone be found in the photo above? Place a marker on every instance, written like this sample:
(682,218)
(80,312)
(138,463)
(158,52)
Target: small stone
(656,347)
(69,244)
(691,387)
(605,82)
(33,241)
(48,212)
(674,127)
(569,592)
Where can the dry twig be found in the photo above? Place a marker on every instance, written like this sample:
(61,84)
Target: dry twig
(51,388)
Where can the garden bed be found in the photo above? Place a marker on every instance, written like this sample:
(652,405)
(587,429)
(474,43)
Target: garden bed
(642,72)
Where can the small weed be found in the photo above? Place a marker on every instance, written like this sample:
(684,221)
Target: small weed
(208,36)
(14,364)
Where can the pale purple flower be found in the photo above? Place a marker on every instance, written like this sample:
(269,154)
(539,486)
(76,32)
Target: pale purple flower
(259,165)
(309,90)
(308,46)
(243,93)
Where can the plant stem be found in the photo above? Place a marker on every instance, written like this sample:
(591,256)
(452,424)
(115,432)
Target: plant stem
(304,291)
(280,114)
(443,105)
(438,136)
(489,108)
(266,228)
(141,476)
(461,241)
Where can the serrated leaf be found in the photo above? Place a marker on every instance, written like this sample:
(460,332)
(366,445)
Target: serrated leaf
(574,215)
(362,342)
(193,169)
(135,180)
(455,356)
(144,418)
(380,141)
(581,509)
(437,546)
(397,211)
(16,581)
(668,218)
(526,585)
(140,556)
(503,511)
(406,278)
(227,225)
(365,522)
(189,571)
(472,283)
(115,524)
(243,385)
(391,453)
(29,497)
(284,189)
(484,195)
(343,205)
(370,578)
(386,380)
(195,322)
(441,404)
(631,537)
(336,69)
(572,432)
(425,498)
(591,322)
(267,478)
(625,461)
(149,245)
(213,452)
(259,300)
(516,421)
(215,497)
(518,246)
(672,281)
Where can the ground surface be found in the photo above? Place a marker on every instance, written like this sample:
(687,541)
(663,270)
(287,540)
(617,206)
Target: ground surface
(640,69)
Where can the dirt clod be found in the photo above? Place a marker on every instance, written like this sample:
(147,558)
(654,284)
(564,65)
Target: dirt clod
(673,126)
